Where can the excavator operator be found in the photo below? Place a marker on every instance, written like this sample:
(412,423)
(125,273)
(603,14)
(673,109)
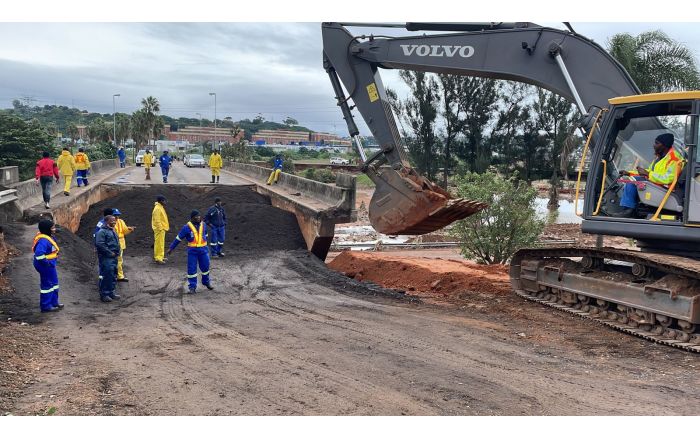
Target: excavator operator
(662,171)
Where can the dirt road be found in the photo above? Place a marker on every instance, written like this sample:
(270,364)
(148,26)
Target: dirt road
(283,334)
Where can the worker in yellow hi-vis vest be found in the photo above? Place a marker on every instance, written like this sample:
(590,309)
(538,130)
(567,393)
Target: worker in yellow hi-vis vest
(82,163)
(66,165)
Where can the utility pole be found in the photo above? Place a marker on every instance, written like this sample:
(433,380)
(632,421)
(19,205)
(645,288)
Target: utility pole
(200,127)
(114,117)
(215,139)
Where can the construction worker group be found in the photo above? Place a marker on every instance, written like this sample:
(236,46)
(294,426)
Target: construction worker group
(66,165)
(204,236)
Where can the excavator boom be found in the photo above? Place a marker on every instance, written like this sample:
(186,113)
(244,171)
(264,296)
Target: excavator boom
(405,202)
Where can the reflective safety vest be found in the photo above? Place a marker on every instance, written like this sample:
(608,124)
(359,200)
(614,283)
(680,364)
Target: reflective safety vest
(81,161)
(54,248)
(198,240)
(663,171)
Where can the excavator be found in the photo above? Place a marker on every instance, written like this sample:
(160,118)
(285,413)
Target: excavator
(652,291)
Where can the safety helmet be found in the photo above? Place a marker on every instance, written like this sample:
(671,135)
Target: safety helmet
(116,212)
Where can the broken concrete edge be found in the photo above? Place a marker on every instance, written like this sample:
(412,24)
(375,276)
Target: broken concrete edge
(317,224)
(29,192)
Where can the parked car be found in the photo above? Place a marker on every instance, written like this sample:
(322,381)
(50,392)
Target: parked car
(337,160)
(194,160)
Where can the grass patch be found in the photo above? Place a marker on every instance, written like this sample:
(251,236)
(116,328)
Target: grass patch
(364,181)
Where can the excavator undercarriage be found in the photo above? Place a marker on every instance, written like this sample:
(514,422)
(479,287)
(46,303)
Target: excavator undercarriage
(653,296)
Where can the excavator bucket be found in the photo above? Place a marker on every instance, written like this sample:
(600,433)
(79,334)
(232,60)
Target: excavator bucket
(408,204)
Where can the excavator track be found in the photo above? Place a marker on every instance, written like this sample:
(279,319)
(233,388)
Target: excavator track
(549,276)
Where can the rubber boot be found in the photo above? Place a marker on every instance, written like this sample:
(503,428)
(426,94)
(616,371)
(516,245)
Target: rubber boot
(217,179)
(212,179)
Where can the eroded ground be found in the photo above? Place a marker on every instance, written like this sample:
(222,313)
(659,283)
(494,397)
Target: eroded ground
(283,334)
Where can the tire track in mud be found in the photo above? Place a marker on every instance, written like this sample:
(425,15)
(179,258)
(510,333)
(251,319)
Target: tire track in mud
(329,380)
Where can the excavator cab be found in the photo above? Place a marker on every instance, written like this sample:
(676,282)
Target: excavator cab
(634,124)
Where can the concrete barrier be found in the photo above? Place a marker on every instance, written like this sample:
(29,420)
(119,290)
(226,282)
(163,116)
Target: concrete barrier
(318,207)
(9,175)
(29,192)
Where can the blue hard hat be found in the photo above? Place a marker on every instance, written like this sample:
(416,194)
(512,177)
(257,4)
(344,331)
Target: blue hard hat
(116,212)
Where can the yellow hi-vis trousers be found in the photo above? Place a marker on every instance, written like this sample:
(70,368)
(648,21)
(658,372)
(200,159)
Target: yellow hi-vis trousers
(159,245)
(120,265)
(66,186)
(274,176)
(215,171)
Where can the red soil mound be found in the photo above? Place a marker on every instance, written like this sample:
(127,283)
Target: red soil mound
(429,277)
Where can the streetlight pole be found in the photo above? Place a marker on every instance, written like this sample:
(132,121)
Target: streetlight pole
(215,142)
(200,127)
(114,116)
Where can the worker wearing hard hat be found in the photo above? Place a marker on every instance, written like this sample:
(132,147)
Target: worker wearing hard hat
(160,225)
(195,233)
(66,165)
(215,164)
(82,164)
(122,231)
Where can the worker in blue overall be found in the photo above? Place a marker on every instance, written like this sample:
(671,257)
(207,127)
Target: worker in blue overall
(194,232)
(108,250)
(165,161)
(45,256)
(100,225)
(216,222)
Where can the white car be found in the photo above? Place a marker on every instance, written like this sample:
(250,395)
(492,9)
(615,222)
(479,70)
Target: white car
(337,160)
(139,158)
(194,160)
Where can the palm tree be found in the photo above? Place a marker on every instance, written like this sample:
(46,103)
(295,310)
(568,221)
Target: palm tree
(123,127)
(656,62)
(139,127)
(151,108)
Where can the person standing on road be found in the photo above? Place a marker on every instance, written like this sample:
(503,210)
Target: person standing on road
(107,243)
(121,153)
(197,253)
(100,225)
(215,164)
(66,165)
(148,163)
(122,231)
(166,162)
(82,164)
(216,222)
(45,257)
(160,225)
(276,170)
(46,170)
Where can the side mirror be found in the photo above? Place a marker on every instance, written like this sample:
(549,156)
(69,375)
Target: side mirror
(691,130)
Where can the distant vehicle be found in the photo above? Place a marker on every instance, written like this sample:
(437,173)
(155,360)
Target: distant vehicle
(337,160)
(194,160)
(139,158)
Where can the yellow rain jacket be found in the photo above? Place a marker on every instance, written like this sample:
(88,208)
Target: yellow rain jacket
(81,161)
(148,159)
(215,161)
(66,163)
(122,230)
(159,219)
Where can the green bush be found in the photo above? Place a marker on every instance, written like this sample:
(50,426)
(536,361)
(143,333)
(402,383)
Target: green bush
(364,181)
(21,144)
(321,175)
(510,222)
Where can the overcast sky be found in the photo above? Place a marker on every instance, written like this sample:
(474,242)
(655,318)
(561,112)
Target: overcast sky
(269,68)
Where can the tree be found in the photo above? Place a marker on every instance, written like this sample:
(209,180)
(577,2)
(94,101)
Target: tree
(72,132)
(238,150)
(512,121)
(22,143)
(289,121)
(494,234)
(99,131)
(477,100)
(555,116)
(420,111)
(123,128)
(656,62)
(139,128)
(151,108)
(454,124)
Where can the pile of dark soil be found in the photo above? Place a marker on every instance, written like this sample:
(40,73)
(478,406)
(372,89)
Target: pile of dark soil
(253,223)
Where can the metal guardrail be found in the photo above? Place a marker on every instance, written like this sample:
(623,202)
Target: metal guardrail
(379,246)
(7,196)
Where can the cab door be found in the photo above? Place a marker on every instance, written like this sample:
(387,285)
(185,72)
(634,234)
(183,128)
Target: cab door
(691,215)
